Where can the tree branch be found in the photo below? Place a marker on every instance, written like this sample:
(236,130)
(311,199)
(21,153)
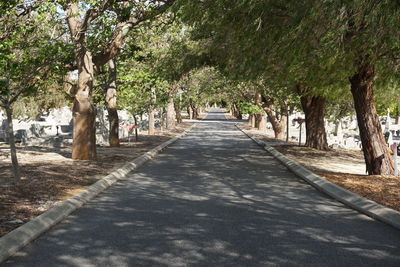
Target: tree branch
(113,47)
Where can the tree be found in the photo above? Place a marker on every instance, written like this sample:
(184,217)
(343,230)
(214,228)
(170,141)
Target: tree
(29,52)
(89,60)
(258,46)
(365,37)
(139,87)
(110,96)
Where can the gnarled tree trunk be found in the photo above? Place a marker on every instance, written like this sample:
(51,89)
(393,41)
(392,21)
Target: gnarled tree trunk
(261,123)
(111,104)
(170,120)
(195,111)
(236,111)
(84,112)
(277,119)
(189,112)
(84,134)
(278,122)
(250,122)
(313,108)
(178,108)
(151,127)
(376,154)
(178,114)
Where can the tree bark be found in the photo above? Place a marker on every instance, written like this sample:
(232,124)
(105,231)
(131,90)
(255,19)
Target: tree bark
(236,111)
(84,112)
(136,129)
(233,110)
(170,120)
(261,122)
(151,128)
(84,133)
(111,104)
(189,112)
(178,112)
(256,121)
(251,121)
(151,121)
(195,111)
(162,113)
(277,119)
(313,108)
(13,149)
(287,124)
(376,154)
(278,124)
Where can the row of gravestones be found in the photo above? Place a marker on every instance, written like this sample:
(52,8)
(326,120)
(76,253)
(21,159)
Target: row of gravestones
(55,123)
(340,134)
(55,127)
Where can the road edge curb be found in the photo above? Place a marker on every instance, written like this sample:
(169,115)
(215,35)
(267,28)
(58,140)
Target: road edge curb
(357,202)
(26,233)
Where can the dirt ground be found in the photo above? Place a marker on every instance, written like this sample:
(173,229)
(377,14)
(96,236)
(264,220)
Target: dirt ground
(49,175)
(340,166)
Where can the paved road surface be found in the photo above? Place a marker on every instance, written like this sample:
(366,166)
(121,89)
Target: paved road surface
(214,198)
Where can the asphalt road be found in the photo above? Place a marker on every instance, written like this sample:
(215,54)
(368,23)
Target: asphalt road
(214,198)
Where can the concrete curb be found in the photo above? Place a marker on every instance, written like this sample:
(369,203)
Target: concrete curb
(23,235)
(359,203)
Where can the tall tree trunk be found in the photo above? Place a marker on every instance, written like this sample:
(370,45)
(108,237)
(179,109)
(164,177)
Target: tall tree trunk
(277,119)
(136,129)
(151,128)
(11,141)
(151,121)
(313,108)
(287,124)
(162,118)
(178,113)
(189,112)
(84,112)
(376,154)
(397,115)
(195,111)
(278,124)
(111,104)
(233,110)
(170,120)
(252,119)
(236,111)
(261,122)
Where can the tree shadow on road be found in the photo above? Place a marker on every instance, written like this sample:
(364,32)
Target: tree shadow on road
(216,204)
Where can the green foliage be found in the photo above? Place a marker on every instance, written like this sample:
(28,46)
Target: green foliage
(32,54)
(312,43)
(136,83)
(247,107)
(204,85)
